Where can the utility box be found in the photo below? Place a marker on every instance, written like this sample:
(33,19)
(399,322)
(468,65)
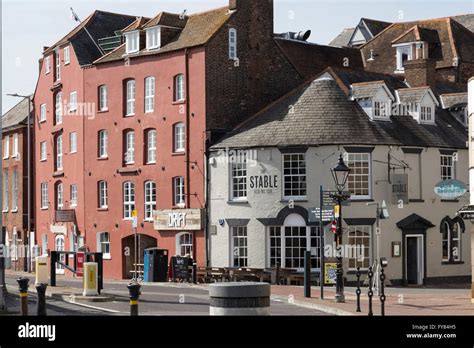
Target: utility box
(90,280)
(155,265)
(41,270)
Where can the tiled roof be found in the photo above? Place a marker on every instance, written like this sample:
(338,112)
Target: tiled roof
(412,95)
(17,115)
(466,20)
(310,59)
(199,29)
(136,25)
(343,39)
(366,89)
(319,113)
(167,19)
(100,24)
(375,26)
(456,42)
(454,99)
(416,33)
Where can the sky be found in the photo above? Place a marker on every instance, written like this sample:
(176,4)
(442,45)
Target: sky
(29,25)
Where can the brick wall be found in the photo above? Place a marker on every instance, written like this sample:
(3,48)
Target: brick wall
(420,72)
(261,75)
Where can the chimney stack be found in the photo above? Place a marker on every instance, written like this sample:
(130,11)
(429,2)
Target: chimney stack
(421,72)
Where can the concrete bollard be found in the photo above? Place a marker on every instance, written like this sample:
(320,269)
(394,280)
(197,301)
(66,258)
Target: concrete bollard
(23,288)
(244,298)
(41,304)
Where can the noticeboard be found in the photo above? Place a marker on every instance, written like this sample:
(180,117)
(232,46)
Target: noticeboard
(330,273)
(180,267)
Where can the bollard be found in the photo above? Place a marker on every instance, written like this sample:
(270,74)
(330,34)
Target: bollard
(134,290)
(382,291)
(277,275)
(244,298)
(194,272)
(371,292)
(358,292)
(307,274)
(23,287)
(41,302)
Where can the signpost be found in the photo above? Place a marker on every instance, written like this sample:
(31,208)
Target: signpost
(134,226)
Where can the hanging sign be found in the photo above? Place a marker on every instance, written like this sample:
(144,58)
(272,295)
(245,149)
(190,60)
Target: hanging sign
(450,189)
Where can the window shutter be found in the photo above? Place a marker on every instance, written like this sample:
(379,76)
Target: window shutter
(99,245)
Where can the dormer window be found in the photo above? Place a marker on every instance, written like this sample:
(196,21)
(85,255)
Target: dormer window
(381,109)
(426,114)
(404,53)
(153,38)
(132,41)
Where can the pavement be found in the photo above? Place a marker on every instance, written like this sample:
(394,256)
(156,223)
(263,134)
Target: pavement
(191,299)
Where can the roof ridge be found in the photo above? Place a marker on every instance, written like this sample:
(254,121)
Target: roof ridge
(368,82)
(208,11)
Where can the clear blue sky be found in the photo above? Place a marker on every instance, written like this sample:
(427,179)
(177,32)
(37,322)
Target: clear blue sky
(28,25)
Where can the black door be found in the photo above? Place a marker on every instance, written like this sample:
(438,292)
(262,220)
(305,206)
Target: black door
(412,260)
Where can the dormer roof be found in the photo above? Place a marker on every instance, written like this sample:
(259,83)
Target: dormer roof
(138,24)
(417,34)
(362,90)
(415,95)
(451,100)
(167,19)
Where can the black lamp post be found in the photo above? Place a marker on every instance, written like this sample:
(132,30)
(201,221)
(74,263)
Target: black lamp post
(340,175)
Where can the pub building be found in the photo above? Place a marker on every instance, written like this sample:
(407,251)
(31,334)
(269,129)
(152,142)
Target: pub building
(400,144)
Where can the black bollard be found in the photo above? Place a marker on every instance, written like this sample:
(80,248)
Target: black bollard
(23,287)
(194,272)
(277,275)
(307,274)
(358,292)
(371,292)
(41,303)
(134,290)
(382,291)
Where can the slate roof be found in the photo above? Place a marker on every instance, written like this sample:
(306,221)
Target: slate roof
(456,42)
(466,20)
(453,99)
(139,23)
(167,19)
(362,90)
(375,26)
(100,24)
(416,33)
(320,113)
(343,39)
(17,115)
(309,59)
(199,29)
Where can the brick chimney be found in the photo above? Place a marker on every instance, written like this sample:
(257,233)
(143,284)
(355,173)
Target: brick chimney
(420,72)
(258,15)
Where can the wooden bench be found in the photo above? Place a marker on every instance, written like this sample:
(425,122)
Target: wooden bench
(209,274)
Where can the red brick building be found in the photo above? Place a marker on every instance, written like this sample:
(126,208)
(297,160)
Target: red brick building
(161,91)
(14,184)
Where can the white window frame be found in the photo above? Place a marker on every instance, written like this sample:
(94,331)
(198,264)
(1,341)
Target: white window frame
(47,65)
(381,109)
(43,151)
(44,196)
(103,239)
(153,38)
(456,240)
(103,143)
(103,194)
(354,174)
(103,95)
(179,192)
(447,163)
(60,196)
(67,55)
(73,101)
(58,109)
(73,201)
(184,240)
(130,147)
(128,199)
(14,190)
(447,241)
(426,114)
(367,230)
(151,146)
(5,190)
(239,253)
(73,142)
(179,138)
(238,177)
(132,42)
(58,64)
(179,88)
(150,200)
(43,113)
(6,147)
(149,94)
(301,178)
(400,51)
(59,152)
(232,43)
(15,153)
(130,97)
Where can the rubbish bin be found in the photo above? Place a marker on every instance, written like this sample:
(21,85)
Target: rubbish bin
(155,265)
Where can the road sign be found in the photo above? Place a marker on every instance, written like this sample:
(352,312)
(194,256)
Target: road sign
(313,214)
(134,219)
(329,202)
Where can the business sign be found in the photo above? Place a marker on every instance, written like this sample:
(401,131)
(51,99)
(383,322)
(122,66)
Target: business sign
(263,184)
(58,229)
(80,259)
(450,189)
(399,188)
(177,220)
(330,273)
(64,216)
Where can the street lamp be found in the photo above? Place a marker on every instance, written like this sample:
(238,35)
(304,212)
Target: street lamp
(28,169)
(340,175)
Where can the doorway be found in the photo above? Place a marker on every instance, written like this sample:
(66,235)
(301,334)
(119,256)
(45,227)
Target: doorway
(128,245)
(414,261)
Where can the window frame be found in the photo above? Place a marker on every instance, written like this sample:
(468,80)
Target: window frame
(103,144)
(189,246)
(73,142)
(352,173)
(238,176)
(239,241)
(57,53)
(399,56)
(73,101)
(58,109)
(130,97)
(381,109)
(426,114)
(59,196)
(6,147)
(149,94)
(103,195)
(73,194)
(104,241)
(67,55)
(130,141)
(44,196)
(233,44)
(47,65)
(179,88)
(103,98)
(43,113)
(179,192)
(132,42)
(292,175)
(153,38)
(129,203)
(451,167)
(59,153)
(151,146)
(43,151)
(356,238)
(5,191)
(179,138)
(150,199)
(14,190)
(15,149)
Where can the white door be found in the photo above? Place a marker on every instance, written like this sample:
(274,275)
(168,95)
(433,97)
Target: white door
(60,247)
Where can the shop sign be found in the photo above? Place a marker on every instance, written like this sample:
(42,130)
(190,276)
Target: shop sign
(178,220)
